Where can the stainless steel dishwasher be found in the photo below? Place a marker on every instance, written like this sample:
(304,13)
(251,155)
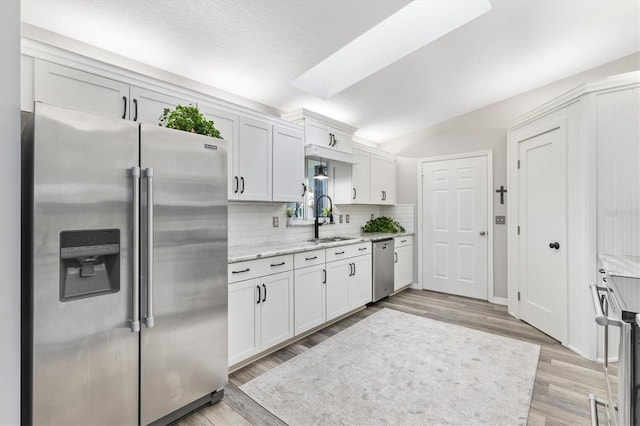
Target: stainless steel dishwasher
(382,268)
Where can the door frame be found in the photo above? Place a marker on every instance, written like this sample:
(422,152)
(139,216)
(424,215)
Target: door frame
(488,154)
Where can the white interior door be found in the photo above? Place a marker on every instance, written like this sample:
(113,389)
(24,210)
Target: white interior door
(542,209)
(454,212)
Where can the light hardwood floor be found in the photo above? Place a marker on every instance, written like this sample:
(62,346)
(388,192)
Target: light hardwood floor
(563,380)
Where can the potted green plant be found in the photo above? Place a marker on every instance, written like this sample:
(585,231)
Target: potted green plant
(382,224)
(189,119)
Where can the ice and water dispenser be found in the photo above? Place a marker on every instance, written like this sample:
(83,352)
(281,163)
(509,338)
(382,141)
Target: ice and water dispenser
(89,263)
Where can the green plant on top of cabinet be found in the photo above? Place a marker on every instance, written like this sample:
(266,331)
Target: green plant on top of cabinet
(188,119)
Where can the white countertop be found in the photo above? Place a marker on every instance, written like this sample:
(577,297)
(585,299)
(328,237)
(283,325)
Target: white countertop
(621,266)
(250,252)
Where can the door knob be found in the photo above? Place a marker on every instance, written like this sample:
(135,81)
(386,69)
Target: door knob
(554,245)
(482,233)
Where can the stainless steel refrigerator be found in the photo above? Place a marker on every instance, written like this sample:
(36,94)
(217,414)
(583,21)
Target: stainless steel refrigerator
(124,270)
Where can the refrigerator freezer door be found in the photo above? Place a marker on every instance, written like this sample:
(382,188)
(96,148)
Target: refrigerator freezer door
(184,354)
(85,357)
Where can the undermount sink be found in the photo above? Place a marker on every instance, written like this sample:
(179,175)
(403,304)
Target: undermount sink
(330,239)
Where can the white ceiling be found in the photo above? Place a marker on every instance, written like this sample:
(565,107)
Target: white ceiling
(255,48)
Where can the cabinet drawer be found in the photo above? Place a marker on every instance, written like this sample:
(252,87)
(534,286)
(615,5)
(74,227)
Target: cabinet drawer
(403,241)
(309,258)
(241,271)
(344,252)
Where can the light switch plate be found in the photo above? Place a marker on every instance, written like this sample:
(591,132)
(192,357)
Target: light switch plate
(276,222)
(371,216)
(500,220)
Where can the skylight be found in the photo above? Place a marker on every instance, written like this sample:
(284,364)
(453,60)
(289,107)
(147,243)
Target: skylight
(410,28)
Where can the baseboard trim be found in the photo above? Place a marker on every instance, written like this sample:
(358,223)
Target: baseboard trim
(500,301)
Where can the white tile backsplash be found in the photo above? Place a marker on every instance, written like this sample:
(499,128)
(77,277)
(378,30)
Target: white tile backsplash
(251,223)
(404,214)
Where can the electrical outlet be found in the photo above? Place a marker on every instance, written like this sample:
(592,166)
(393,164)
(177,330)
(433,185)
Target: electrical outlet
(347,218)
(340,218)
(500,220)
(276,222)
(371,216)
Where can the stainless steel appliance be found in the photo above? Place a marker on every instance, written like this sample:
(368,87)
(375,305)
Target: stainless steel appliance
(382,268)
(617,304)
(125,270)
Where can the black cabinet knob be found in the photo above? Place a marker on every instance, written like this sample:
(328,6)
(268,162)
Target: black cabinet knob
(554,245)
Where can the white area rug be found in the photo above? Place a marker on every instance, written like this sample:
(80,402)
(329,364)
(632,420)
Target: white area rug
(394,368)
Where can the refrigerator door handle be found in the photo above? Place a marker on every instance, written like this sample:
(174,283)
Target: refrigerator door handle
(149,319)
(135,249)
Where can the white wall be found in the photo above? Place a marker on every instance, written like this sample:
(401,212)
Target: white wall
(486,129)
(10,212)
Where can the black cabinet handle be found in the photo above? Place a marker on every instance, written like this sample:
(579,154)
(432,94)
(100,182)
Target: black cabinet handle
(239,272)
(395,255)
(362,248)
(554,245)
(310,258)
(335,141)
(304,189)
(135,113)
(237,184)
(354,268)
(351,269)
(324,281)
(242,180)
(124,101)
(330,139)
(354,193)
(259,295)
(403,241)
(277,264)
(264,299)
(339,252)
(601,271)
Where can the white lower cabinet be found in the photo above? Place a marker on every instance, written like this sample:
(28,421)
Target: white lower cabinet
(276,309)
(310,298)
(403,262)
(360,282)
(338,274)
(244,320)
(348,280)
(260,314)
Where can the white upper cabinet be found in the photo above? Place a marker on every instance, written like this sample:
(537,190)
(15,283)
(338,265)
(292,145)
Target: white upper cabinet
(148,106)
(323,131)
(67,87)
(383,179)
(317,133)
(228,125)
(288,165)
(253,163)
(265,154)
(351,182)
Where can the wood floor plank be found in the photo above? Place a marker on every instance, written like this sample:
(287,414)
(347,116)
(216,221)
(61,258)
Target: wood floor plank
(253,412)
(221,414)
